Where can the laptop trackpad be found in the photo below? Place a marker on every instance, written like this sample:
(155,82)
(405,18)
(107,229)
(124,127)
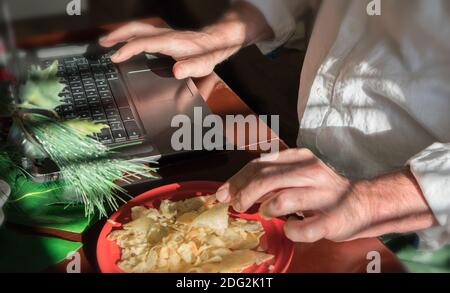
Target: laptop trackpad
(158,84)
(158,100)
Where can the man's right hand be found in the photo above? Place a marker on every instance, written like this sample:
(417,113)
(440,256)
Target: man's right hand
(196,53)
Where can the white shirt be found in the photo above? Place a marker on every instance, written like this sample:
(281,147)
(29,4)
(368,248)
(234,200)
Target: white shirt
(375,91)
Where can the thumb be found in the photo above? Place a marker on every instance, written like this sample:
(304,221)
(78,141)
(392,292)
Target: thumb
(194,67)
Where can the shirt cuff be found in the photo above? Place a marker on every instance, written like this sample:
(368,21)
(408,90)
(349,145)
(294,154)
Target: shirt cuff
(280,19)
(431,168)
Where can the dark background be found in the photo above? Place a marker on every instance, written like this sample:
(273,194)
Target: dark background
(269,85)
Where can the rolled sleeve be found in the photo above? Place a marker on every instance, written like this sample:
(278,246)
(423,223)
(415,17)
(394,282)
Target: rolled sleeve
(431,169)
(281,15)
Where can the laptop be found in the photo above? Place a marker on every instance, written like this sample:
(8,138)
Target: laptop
(137,98)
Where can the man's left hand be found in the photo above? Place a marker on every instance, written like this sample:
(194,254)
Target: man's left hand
(297,181)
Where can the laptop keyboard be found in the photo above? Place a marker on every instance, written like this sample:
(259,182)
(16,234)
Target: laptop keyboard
(93,92)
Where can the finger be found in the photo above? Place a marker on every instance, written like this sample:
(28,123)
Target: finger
(159,44)
(222,194)
(241,181)
(194,67)
(267,197)
(290,201)
(259,178)
(231,187)
(309,230)
(127,32)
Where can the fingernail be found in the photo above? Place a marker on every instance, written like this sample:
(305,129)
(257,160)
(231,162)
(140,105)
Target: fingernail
(115,56)
(103,38)
(237,207)
(179,72)
(222,193)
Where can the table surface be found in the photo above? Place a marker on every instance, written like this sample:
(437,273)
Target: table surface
(323,256)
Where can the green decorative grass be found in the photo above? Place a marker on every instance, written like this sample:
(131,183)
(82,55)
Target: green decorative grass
(87,167)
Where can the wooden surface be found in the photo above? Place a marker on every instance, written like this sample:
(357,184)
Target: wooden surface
(323,256)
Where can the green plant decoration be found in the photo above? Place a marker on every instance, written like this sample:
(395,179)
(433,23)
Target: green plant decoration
(88,169)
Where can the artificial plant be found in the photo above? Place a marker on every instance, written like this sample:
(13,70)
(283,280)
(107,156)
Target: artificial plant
(88,169)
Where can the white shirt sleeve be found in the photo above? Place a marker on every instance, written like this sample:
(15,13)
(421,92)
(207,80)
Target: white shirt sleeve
(282,16)
(431,168)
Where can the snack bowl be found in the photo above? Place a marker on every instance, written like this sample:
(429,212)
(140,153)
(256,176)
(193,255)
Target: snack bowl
(273,242)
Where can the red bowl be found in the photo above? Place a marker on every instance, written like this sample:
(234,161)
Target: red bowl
(273,242)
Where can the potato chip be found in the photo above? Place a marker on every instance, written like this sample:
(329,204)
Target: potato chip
(215,218)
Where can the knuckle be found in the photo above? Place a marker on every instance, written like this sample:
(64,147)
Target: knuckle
(133,26)
(306,152)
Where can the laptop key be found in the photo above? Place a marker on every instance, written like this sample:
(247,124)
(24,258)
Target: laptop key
(67,108)
(119,94)
(116,126)
(105,136)
(72,71)
(65,95)
(105,94)
(75,84)
(94,100)
(126,114)
(72,78)
(94,62)
(81,108)
(101,82)
(99,76)
(100,118)
(89,87)
(96,68)
(132,129)
(107,101)
(92,93)
(112,112)
(97,110)
(83,66)
(103,88)
(112,76)
(109,106)
(119,135)
(84,115)
(88,80)
(115,118)
(67,101)
(79,103)
(79,96)
(77,90)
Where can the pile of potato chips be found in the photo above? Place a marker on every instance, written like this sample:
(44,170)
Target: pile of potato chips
(194,235)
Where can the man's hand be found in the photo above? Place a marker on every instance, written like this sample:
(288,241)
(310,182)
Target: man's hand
(341,209)
(197,53)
